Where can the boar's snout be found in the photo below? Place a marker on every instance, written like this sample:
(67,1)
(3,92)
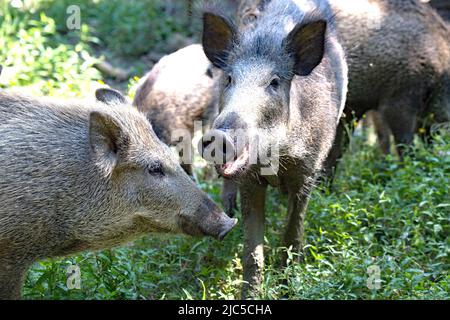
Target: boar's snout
(217,147)
(225,225)
(208,220)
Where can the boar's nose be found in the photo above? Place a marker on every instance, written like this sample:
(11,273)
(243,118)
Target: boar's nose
(217,147)
(227,226)
(216,224)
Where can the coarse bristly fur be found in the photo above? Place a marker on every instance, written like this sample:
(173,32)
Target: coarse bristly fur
(179,90)
(398,57)
(83,175)
(284,81)
(398,52)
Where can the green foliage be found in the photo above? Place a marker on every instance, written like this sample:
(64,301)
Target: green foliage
(381,213)
(126,28)
(38,50)
(36,55)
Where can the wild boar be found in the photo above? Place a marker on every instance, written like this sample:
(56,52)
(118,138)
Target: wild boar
(80,175)
(282,93)
(398,54)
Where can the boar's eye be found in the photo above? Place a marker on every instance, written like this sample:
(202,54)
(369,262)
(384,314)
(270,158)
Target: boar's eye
(209,73)
(275,83)
(229,80)
(156,169)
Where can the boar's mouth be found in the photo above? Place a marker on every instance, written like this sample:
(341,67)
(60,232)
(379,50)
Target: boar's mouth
(217,227)
(236,167)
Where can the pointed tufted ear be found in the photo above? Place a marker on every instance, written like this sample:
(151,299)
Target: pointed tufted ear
(306,43)
(218,37)
(107,139)
(110,96)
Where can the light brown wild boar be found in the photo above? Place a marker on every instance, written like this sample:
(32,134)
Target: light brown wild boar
(179,90)
(80,175)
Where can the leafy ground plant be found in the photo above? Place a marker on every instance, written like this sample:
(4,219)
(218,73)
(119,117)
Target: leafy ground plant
(382,215)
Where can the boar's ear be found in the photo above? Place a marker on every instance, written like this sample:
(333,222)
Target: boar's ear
(106,139)
(110,96)
(306,43)
(218,37)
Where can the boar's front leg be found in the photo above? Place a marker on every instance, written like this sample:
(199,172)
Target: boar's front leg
(186,157)
(294,233)
(336,151)
(12,275)
(188,169)
(400,113)
(229,196)
(382,130)
(253,196)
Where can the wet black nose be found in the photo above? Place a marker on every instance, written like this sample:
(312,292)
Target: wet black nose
(216,147)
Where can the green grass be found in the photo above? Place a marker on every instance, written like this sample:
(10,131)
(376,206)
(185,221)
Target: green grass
(380,212)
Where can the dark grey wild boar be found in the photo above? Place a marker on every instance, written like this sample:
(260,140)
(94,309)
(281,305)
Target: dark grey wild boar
(284,83)
(179,90)
(398,54)
(381,127)
(78,176)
